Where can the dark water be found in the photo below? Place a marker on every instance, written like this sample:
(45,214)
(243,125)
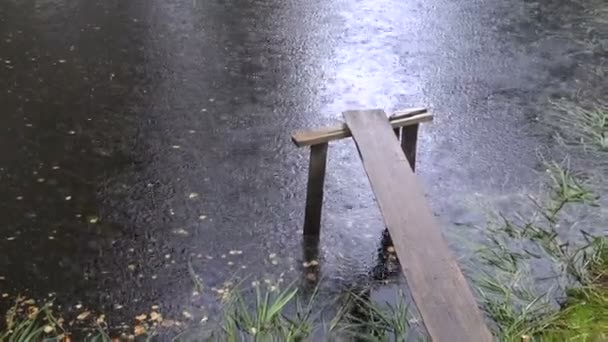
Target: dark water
(139,135)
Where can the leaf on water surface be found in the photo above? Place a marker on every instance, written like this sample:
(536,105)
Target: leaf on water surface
(83,316)
(180,231)
(139,330)
(155,316)
(167,323)
(141,317)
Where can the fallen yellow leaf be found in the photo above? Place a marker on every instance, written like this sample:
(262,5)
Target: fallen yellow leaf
(167,323)
(139,330)
(141,317)
(83,315)
(155,316)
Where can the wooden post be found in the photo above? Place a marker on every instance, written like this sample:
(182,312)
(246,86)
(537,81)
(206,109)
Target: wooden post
(311,266)
(314,193)
(409,138)
(397,132)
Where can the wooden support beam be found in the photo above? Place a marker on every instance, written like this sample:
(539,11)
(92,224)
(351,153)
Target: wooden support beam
(324,135)
(314,193)
(409,139)
(440,291)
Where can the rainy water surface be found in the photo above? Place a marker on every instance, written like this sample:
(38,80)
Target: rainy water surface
(142,142)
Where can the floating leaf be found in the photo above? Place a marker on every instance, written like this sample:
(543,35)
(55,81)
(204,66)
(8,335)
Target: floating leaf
(139,330)
(155,316)
(83,316)
(168,323)
(181,231)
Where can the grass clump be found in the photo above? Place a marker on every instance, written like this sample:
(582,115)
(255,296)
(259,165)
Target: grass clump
(267,319)
(539,284)
(362,319)
(26,322)
(583,126)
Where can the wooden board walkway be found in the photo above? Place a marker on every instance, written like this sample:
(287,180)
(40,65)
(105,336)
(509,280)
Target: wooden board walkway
(438,287)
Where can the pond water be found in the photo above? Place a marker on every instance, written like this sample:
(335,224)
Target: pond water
(140,137)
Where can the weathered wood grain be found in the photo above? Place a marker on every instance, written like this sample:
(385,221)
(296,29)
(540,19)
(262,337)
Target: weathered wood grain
(324,135)
(438,287)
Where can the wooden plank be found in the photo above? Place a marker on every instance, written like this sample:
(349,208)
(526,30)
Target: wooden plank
(314,192)
(438,287)
(324,135)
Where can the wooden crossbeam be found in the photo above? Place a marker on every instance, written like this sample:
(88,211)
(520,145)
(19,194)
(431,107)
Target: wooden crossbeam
(438,287)
(324,135)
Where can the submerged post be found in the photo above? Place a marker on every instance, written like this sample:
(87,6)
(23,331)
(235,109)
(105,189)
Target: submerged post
(409,139)
(314,193)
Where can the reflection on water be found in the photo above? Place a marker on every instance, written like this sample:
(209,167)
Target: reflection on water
(140,137)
